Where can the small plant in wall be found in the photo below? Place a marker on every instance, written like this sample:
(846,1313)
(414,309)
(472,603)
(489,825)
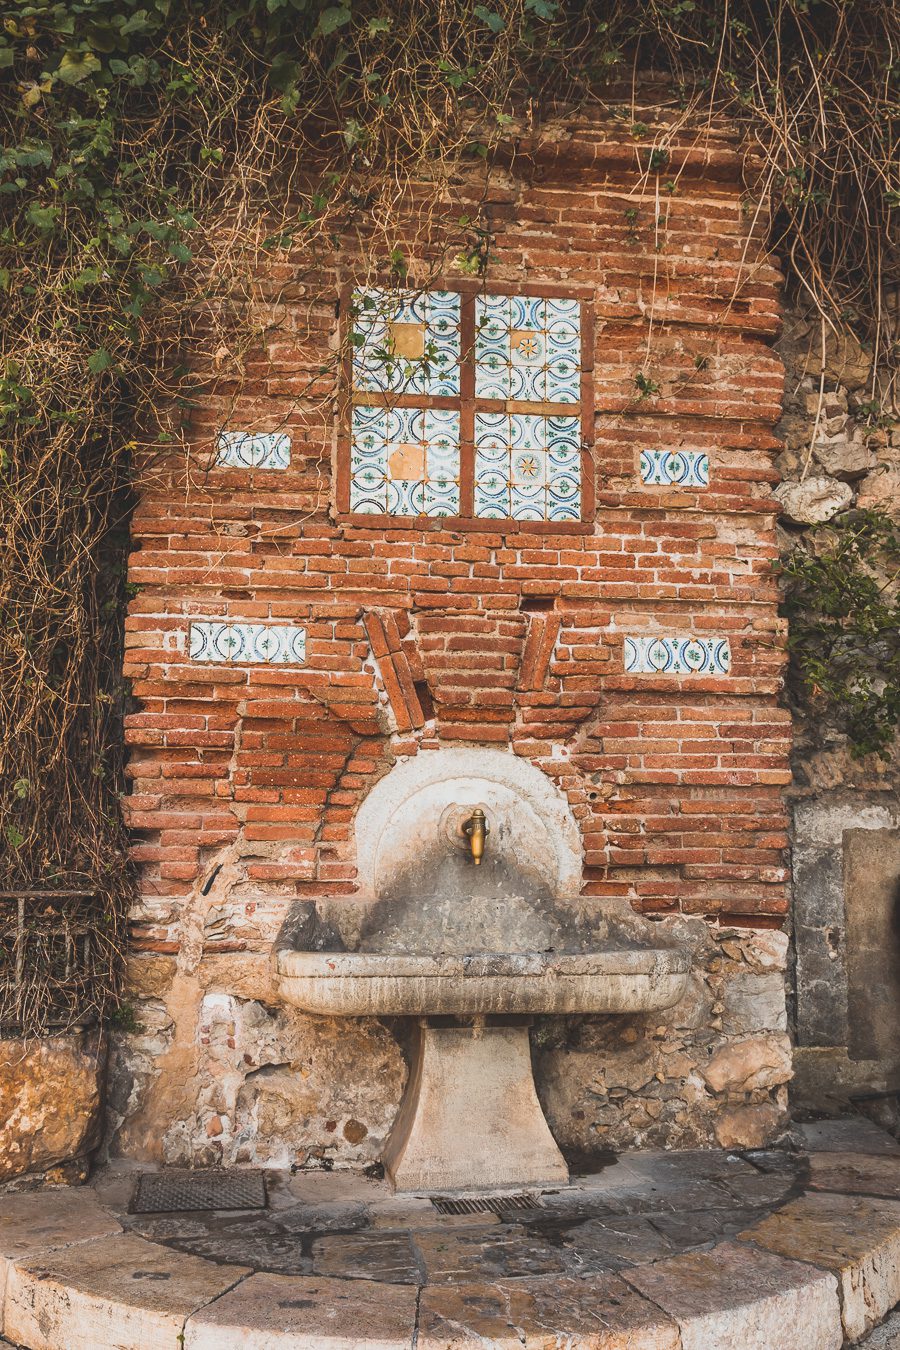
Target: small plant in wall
(842,598)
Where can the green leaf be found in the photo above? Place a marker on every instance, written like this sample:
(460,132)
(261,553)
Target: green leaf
(42,217)
(494,21)
(99,360)
(6,57)
(14,836)
(544,9)
(333,18)
(77,66)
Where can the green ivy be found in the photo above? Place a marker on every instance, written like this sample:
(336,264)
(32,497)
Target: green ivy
(842,601)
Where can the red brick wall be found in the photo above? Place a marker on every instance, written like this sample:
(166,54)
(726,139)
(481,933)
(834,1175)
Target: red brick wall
(507,638)
(676,780)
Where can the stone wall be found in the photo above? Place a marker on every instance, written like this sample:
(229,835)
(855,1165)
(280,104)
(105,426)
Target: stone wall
(845,812)
(247,776)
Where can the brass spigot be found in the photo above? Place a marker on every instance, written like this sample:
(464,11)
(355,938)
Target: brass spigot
(476,827)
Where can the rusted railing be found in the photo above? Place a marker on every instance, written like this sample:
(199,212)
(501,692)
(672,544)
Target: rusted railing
(58,960)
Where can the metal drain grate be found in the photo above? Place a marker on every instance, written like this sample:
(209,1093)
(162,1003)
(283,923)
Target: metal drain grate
(486,1204)
(165,1192)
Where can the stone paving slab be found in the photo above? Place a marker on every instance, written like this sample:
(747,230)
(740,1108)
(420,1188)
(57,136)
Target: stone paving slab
(33,1221)
(856,1173)
(483,1254)
(596,1313)
(853,1134)
(857,1237)
(274,1312)
(735,1298)
(111,1292)
(386,1257)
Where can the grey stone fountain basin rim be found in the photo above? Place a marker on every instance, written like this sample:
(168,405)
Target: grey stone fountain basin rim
(387,983)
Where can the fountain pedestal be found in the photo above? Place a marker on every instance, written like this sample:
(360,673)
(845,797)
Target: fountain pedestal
(470,1116)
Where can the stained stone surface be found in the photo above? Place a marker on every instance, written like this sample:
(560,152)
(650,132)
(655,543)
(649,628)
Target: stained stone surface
(856,1174)
(267,1312)
(853,1134)
(29,1223)
(597,1313)
(118,1291)
(858,1237)
(735,1298)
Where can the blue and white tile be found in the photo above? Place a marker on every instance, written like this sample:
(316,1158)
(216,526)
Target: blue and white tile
(527,503)
(528,468)
(675,468)
(440,497)
(377,367)
(527,384)
(526,311)
(677,656)
(249,450)
(563,381)
(443,312)
(562,310)
(564,510)
(492,431)
(405,497)
(247,643)
(527,431)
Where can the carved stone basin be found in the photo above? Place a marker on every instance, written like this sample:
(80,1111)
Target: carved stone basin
(433,936)
(379,984)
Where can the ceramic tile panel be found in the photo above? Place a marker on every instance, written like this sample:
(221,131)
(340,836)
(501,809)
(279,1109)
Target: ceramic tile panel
(406,342)
(675,468)
(677,656)
(246,450)
(527,467)
(404,461)
(528,349)
(250,643)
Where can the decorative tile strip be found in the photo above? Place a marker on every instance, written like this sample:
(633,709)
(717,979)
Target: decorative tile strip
(243,450)
(251,643)
(675,468)
(677,656)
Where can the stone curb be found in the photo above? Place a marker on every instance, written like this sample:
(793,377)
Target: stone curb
(823,1267)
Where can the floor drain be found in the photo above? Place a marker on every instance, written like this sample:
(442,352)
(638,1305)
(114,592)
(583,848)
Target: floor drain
(165,1192)
(486,1204)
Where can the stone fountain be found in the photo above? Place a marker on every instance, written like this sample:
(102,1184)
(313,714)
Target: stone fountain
(471,949)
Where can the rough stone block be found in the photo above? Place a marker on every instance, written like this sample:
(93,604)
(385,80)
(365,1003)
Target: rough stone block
(734,1298)
(117,1291)
(856,1237)
(268,1312)
(597,1313)
(35,1076)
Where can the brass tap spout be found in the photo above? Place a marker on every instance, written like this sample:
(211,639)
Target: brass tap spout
(476,827)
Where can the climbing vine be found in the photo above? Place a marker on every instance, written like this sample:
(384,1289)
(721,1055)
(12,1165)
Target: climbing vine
(155,152)
(842,599)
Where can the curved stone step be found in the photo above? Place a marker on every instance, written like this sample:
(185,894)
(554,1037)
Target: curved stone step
(823,1267)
